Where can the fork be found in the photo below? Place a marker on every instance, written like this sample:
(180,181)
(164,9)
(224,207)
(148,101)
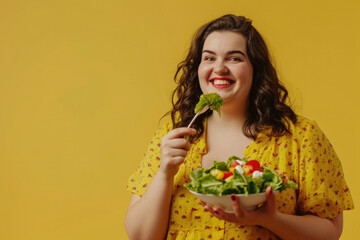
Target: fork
(198,114)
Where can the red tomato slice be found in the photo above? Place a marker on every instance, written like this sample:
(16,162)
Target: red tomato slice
(253,164)
(227,174)
(234,163)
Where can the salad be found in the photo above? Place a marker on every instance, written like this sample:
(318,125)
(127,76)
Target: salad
(237,176)
(213,100)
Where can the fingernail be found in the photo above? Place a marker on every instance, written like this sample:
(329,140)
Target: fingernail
(233,198)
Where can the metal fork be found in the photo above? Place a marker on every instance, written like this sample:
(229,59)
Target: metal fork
(198,114)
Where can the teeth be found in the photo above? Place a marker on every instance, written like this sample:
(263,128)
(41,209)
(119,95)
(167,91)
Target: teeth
(222,82)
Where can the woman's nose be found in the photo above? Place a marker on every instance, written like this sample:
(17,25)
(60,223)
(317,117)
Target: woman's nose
(220,68)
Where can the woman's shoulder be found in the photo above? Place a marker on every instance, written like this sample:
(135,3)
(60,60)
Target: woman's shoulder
(301,129)
(305,129)
(302,124)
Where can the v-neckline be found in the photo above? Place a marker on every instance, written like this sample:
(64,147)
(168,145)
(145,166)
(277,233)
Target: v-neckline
(204,149)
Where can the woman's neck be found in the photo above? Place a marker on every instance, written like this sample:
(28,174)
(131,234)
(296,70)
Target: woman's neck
(230,117)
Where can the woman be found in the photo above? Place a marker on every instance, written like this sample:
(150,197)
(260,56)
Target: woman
(229,56)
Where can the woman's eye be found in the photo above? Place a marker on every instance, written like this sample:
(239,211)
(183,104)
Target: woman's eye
(208,58)
(235,59)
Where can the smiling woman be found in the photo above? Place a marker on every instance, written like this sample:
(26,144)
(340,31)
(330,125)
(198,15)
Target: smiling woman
(225,68)
(229,56)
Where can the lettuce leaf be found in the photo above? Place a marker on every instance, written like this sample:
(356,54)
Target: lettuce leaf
(203,182)
(291,184)
(218,165)
(253,188)
(212,99)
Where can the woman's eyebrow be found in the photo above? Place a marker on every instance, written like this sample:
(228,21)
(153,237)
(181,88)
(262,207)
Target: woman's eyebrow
(208,51)
(230,52)
(237,51)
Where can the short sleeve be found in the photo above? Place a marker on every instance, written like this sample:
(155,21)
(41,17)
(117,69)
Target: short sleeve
(322,187)
(139,181)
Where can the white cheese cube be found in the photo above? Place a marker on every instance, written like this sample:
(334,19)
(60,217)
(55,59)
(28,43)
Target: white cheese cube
(239,169)
(257,174)
(240,162)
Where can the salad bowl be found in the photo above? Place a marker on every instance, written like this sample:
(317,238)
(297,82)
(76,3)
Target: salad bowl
(247,179)
(249,202)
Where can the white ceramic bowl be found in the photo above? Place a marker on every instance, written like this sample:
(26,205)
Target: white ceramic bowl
(249,202)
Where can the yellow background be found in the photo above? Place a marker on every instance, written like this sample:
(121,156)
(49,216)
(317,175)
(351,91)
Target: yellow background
(84,83)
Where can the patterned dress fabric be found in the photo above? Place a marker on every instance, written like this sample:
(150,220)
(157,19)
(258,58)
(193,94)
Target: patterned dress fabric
(306,156)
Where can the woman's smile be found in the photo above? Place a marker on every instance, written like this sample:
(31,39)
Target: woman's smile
(221,82)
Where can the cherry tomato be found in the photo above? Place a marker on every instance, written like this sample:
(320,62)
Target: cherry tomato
(227,174)
(234,164)
(252,166)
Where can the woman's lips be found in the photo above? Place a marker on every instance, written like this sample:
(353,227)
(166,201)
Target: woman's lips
(221,82)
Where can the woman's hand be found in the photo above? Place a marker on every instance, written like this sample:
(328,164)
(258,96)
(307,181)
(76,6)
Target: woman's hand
(174,148)
(267,212)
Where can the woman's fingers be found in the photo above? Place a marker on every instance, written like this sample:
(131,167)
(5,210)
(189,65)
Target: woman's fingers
(218,212)
(180,143)
(174,139)
(241,215)
(180,132)
(238,209)
(174,148)
(270,198)
(213,211)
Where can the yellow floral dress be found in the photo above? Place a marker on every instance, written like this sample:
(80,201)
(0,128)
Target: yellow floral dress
(305,156)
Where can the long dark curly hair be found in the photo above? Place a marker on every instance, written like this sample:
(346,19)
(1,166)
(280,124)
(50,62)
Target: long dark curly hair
(268,106)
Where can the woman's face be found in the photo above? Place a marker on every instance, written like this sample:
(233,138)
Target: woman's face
(225,67)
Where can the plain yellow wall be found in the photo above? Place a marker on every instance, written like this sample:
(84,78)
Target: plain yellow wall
(84,83)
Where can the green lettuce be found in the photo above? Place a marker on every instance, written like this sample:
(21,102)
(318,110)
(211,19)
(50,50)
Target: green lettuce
(218,165)
(213,100)
(203,182)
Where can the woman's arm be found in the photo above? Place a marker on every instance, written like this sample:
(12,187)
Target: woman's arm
(283,225)
(306,227)
(147,216)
